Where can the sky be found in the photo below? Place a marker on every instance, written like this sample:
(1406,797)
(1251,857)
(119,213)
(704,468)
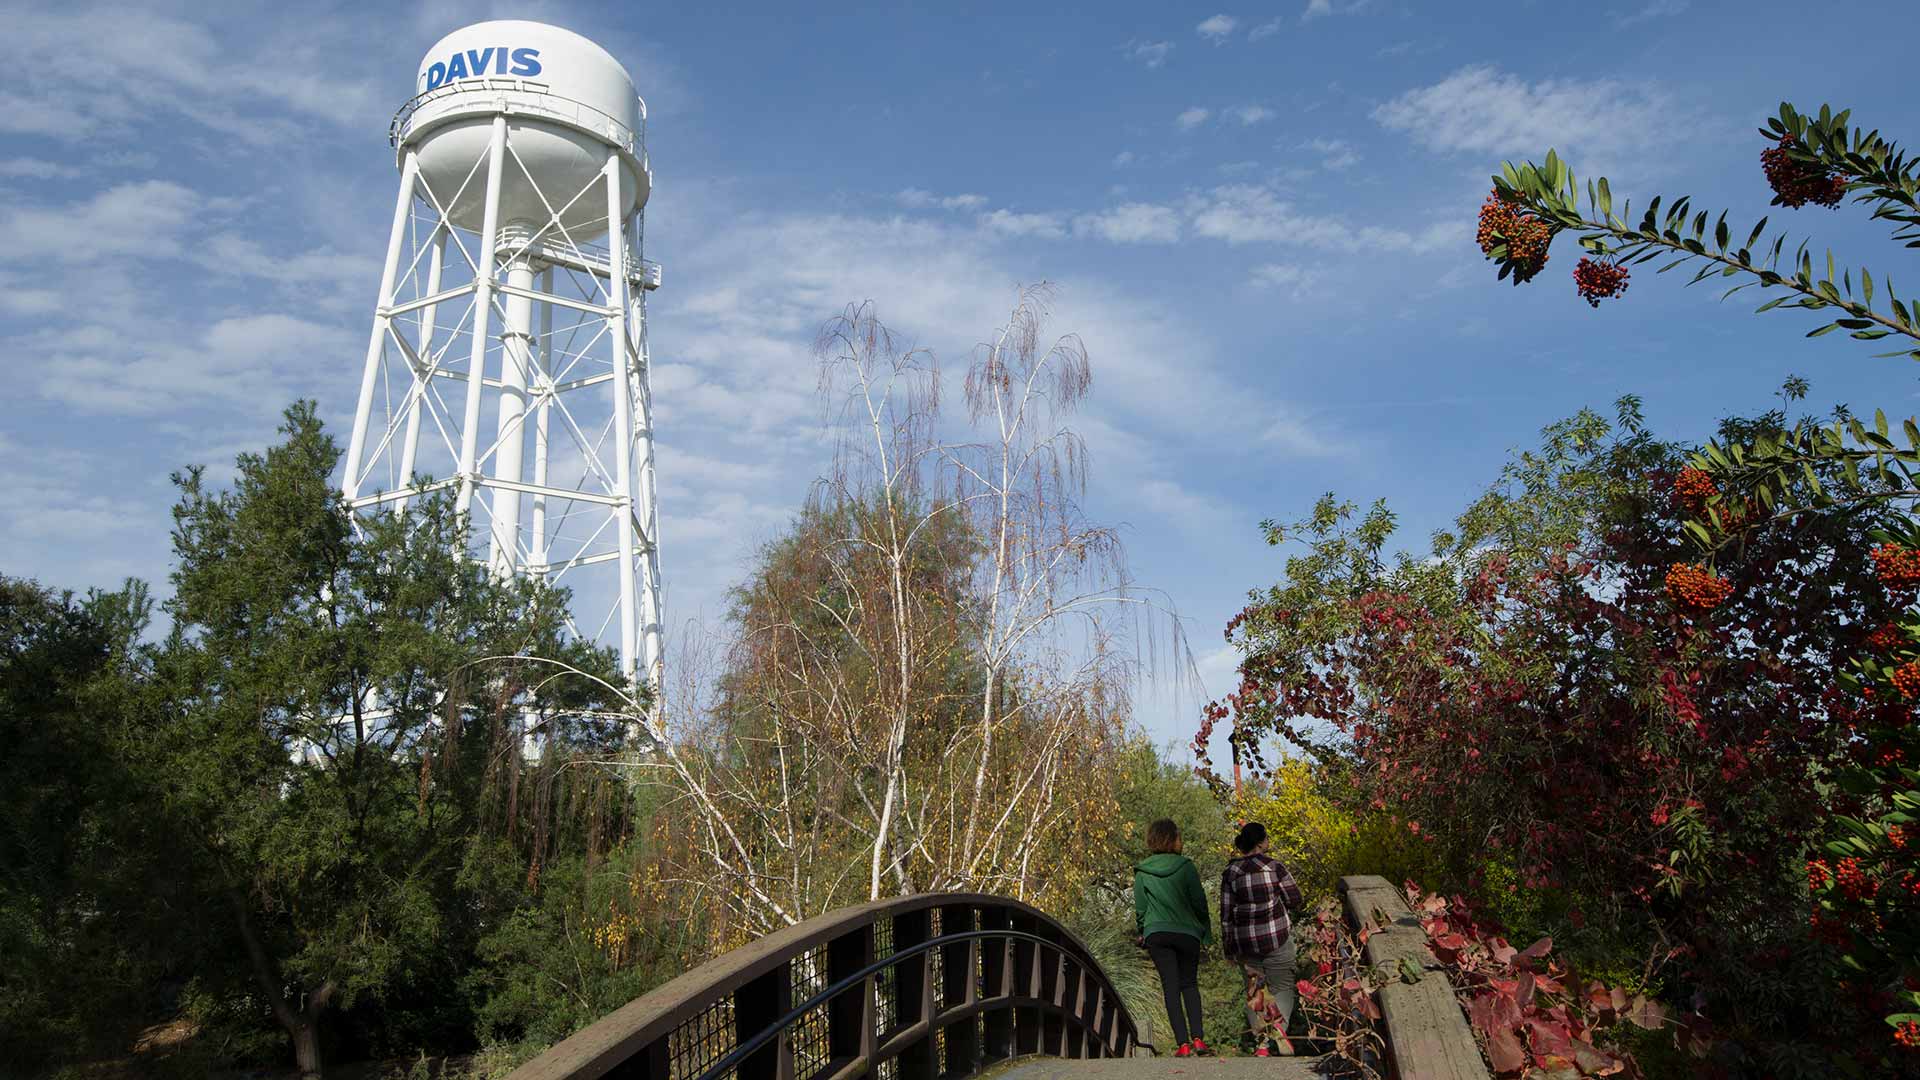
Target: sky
(1259,219)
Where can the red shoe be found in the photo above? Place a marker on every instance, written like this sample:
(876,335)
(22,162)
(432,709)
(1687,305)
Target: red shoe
(1200,1046)
(1186,1050)
(1262,1052)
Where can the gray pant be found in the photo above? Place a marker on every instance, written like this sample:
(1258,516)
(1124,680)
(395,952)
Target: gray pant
(1277,969)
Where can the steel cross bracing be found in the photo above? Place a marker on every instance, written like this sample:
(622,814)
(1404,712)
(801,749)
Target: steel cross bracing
(524,320)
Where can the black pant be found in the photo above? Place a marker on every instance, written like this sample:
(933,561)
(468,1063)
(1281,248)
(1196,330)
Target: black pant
(1177,956)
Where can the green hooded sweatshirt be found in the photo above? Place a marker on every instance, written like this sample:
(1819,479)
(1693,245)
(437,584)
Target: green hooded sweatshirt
(1167,898)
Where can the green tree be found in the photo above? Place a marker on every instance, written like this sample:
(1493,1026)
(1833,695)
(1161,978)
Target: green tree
(1807,477)
(82,892)
(330,732)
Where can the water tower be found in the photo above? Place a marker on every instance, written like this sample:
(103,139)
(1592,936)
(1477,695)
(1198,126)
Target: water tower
(508,359)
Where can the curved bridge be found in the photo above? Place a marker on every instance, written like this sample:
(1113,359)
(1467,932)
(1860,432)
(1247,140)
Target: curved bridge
(913,988)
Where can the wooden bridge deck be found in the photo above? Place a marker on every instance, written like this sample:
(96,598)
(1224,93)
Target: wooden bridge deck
(1164,1068)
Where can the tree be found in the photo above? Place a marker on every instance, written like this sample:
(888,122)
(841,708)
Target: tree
(1866,892)
(327,740)
(924,682)
(83,894)
(1544,706)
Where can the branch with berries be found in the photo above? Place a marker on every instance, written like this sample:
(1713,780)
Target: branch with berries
(1818,161)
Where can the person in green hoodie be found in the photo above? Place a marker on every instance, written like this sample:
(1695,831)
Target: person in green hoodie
(1171,916)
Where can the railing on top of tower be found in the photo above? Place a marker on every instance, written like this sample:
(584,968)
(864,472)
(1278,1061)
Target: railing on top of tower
(577,114)
(913,988)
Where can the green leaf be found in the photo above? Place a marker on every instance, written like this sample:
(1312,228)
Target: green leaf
(1827,329)
(1606,199)
(1720,232)
(1755,235)
(1866,286)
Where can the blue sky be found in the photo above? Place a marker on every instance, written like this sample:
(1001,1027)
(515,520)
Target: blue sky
(1259,219)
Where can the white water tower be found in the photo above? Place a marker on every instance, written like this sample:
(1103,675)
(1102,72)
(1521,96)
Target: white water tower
(508,360)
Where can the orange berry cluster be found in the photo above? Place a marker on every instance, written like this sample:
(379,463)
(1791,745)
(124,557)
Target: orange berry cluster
(1599,281)
(1797,183)
(1504,221)
(1853,880)
(1897,836)
(1692,488)
(1695,587)
(1906,679)
(1907,1034)
(1887,637)
(1898,567)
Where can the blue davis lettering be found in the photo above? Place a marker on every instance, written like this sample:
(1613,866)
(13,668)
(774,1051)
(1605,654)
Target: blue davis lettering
(475,63)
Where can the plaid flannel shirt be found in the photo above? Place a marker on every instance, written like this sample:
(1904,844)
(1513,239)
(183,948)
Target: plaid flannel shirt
(1255,893)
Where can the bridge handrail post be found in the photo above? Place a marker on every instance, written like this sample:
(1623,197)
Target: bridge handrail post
(936,984)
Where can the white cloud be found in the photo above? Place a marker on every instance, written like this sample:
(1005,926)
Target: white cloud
(1321,8)
(1131,223)
(1335,154)
(1283,277)
(1482,110)
(1151,53)
(1009,223)
(85,60)
(342,278)
(247,364)
(1218,28)
(1266,29)
(925,200)
(1124,158)
(1192,118)
(146,219)
(1656,9)
(1249,115)
(1248,213)
(36,169)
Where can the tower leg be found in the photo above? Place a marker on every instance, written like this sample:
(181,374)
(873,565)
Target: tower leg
(622,411)
(542,413)
(422,380)
(482,314)
(377,342)
(509,455)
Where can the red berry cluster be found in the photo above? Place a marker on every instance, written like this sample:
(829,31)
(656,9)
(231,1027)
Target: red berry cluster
(1818,874)
(1897,836)
(1695,587)
(1504,221)
(1906,679)
(1908,1034)
(1888,637)
(1599,281)
(1853,881)
(1797,183)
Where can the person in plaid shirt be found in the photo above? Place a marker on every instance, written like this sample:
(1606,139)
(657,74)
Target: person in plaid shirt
(1256,892)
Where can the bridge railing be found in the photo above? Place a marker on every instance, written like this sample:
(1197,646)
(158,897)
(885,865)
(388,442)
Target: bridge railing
(936,985)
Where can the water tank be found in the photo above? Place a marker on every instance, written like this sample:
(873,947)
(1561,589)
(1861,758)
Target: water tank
(567,101)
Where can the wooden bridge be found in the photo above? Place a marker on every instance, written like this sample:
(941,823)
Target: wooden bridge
(945,986)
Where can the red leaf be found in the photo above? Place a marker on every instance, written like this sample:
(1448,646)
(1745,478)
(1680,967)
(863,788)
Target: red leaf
(1548,1038)
(1595,1063)
(1646,1014)
(1523,992)
(1505,1052)
(1539,948)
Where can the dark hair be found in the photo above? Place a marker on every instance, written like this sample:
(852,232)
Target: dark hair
(1252,835)
(1163,836)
